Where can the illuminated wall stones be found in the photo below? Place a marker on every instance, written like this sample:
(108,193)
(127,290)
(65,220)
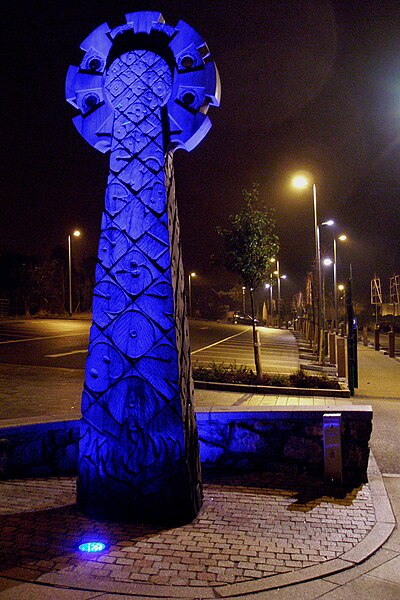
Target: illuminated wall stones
(143,90)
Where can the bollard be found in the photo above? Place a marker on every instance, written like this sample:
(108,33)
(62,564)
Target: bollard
(377,338)
(341,357)
(392,343)
(365,335)
(332,447)
(332,348)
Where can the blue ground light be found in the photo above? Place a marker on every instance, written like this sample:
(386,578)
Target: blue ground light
(92,547)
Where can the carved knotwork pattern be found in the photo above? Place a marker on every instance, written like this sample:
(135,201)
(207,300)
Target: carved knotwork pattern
(139,439)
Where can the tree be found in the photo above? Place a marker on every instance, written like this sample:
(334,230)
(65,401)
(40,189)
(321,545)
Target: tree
(249,244)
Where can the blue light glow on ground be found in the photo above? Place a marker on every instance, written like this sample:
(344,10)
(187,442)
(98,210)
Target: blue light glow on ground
(92,547)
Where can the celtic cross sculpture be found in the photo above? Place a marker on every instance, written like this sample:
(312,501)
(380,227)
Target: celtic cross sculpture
(142,91)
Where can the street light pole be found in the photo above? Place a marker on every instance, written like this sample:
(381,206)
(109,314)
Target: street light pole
(244,299)
(190,292)
(342,238)
(335,294)
(76,233)
(301,181)
(278,275)
(327,263)
(318,275)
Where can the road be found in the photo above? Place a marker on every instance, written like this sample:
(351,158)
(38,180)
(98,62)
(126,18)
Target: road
(57,350)
(63,344)
(42,361)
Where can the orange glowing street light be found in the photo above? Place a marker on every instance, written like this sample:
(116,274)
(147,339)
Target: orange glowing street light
(300,181)
(76,233)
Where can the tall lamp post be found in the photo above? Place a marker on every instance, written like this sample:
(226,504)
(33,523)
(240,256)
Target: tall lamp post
(191,275)
(342,238)
(268,286)
(301,182)
(244,299)
(76,234)
(278,278)
(327,263)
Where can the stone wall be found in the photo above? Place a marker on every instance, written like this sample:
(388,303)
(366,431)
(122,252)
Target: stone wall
(278,439)
(247,439)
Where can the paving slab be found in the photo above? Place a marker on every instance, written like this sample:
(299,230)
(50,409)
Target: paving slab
(365,588)
(255,533)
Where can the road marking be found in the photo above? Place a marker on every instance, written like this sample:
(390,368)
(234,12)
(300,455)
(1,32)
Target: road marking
(46,337)
(220,341)
(66,353)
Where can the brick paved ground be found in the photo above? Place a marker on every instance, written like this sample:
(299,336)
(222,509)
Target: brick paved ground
(250,527)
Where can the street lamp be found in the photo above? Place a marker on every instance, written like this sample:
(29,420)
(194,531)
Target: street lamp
(76,234)
(342,238)
(244,298)
(327,262)
(301,182)
(268,286)
(278,278)
(191,275)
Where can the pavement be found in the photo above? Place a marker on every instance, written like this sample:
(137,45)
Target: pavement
(259,536)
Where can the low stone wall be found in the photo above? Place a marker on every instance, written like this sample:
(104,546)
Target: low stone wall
(39,449)
(249,438)
(277,439)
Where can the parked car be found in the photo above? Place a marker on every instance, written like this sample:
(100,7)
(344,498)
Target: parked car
(242,319)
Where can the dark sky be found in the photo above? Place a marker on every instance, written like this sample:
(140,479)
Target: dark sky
(306,84)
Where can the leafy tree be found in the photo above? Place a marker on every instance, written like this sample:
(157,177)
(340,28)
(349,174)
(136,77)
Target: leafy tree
(249,244)
(45,286)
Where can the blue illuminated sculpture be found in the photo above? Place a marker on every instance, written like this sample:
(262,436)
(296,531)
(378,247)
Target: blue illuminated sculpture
(143,90)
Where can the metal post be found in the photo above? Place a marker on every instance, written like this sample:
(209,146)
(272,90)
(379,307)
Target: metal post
(70,275)
(190,295)
(318,272)
(351,341)
(335,295)
(271,304)
(279,292)
(244,299)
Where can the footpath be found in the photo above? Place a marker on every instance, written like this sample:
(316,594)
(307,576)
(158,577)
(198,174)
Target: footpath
(263,536)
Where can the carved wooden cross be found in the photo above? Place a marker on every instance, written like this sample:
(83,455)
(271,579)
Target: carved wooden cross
(143,90)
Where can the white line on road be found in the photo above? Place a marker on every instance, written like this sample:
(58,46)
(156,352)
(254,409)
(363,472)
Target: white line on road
(220,341)
(66,353)
(45,337)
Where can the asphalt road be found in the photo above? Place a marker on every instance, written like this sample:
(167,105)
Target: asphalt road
(58,349)
(63,343)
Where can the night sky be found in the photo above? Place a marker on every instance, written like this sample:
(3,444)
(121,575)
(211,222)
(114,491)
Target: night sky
(306,85)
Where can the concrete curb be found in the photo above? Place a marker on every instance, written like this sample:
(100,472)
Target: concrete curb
(269,389)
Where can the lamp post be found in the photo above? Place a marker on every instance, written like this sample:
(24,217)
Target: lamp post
(268,286)
(301,182)
(278,279)
(190,292)
(342,289)
(244,298)
(327,263)
(75,233)
(342,238)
